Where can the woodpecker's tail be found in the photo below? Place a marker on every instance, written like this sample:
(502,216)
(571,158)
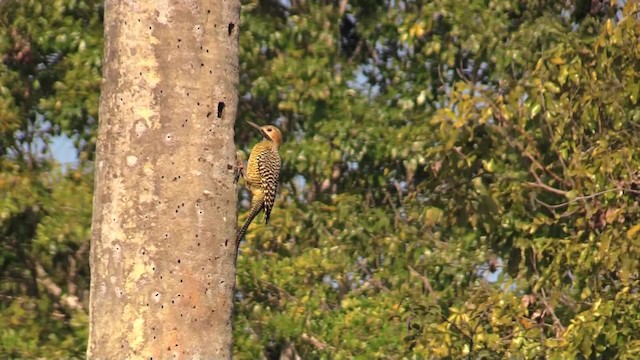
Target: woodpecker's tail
(255,210)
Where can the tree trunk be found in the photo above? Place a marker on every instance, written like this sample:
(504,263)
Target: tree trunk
(164,220)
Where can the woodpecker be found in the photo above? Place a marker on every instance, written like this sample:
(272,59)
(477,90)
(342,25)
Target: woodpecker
(261,177)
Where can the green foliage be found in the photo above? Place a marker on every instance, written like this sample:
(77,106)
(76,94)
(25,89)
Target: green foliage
(49,82)
(460,179)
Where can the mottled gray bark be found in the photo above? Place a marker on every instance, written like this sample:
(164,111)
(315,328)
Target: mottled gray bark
(162,257)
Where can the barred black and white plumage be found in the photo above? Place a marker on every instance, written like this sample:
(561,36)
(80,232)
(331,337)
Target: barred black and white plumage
(263,172)
(269,169)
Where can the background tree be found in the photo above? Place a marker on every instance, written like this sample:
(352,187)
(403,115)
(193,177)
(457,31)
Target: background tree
(51,54)
(459,181)
(163,254)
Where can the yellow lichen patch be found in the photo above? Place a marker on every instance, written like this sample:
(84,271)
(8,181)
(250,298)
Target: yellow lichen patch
(137,335)
(137,271)
(165,11)
(139,95)
(151,76)
(111,230)
(147,197)
(145,113)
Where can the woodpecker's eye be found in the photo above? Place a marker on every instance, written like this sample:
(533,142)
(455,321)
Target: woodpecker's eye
(269,129)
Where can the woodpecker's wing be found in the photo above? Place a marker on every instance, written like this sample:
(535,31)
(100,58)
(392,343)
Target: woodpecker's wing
(269,168)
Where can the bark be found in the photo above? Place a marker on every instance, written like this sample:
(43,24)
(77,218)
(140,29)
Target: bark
(162,255)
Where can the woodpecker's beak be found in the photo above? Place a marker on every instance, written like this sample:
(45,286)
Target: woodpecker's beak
(257,127)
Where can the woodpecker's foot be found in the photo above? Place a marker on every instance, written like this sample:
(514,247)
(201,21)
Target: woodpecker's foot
(239,170)
(237,175)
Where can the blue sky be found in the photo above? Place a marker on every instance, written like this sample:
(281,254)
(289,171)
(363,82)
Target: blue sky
(63,151)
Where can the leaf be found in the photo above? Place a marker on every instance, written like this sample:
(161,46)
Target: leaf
(571,195)
(551,86)
(433,216)
(535,109)
(634,229)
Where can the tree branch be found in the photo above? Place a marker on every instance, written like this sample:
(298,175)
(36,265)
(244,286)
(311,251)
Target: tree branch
(587,197)
(425,280)
(556,322)
(69,302)
(320,345)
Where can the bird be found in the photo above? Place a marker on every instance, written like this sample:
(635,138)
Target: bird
(261,177)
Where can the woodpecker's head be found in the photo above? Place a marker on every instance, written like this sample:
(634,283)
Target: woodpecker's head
(269,132)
